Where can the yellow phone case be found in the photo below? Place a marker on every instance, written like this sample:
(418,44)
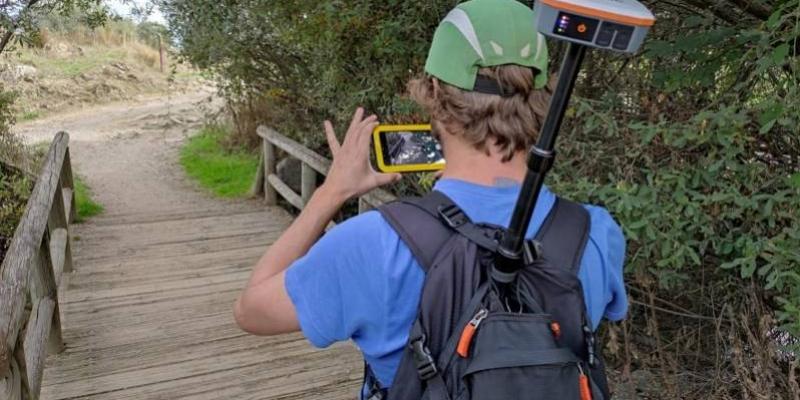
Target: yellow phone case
(383,167)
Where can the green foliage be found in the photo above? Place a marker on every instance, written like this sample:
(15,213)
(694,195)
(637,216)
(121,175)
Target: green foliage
(223,172)
(701,171)
(153,34)
(20,20)
(86,206)
(693,145)
(14,191)
(14,185)
(313,60)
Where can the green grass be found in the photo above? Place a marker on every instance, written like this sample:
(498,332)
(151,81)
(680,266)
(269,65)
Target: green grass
(87,207)
(224,173)
(70,67)
(29,116)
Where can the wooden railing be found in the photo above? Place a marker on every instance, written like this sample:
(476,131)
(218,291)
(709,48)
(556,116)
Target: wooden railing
(270,185)
(30,320)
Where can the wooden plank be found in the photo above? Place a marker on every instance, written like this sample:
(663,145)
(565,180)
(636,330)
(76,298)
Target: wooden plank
(58,252)
(285,191)
(308,182)
(363,206)
(268,370)
(182,231)
(28,236)
(11,320)
(296,150)
(68,183)
(11,385)
(67,195)
(378,197)
(182,211)
(59,216)
(43,286)
(37,335)
(270,168)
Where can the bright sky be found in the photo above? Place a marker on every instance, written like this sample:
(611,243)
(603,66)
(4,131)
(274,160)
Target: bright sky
(125,10)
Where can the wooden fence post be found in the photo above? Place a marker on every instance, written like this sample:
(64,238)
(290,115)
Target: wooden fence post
(270,163)
(308,182)
(161,53)
(257,190)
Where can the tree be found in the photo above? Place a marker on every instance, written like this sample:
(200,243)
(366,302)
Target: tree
(692,145)
(19,18)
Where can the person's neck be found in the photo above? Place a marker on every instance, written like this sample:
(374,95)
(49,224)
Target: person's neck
(468,164)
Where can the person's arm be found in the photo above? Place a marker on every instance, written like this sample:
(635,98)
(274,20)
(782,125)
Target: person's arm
(264,307)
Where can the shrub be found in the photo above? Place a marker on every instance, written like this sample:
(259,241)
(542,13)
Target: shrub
(14,185)
(692,145)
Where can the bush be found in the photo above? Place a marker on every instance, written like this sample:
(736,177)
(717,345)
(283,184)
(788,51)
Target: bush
(692,145)
(14,185)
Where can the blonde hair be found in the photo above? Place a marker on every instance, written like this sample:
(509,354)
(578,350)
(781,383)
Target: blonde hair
(512,123)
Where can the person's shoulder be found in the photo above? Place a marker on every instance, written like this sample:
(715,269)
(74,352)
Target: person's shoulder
(601,217)
(605,231)
(369,226)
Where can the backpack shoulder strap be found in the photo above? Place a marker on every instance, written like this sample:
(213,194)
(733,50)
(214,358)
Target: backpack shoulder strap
(418,228)
(426,223)
(564,234)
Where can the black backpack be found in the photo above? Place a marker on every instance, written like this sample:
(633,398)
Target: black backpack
(466,344)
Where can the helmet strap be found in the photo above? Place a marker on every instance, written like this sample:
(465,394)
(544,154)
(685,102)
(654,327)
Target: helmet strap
(487,85)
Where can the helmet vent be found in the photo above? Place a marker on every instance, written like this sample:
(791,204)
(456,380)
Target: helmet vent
(497,48)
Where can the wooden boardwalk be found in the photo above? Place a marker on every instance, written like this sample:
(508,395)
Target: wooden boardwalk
(147,314)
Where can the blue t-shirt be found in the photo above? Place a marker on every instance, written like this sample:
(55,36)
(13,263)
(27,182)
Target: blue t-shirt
(361,282)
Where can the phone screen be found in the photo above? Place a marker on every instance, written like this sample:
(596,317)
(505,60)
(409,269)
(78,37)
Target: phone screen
(411,148)
(407,148)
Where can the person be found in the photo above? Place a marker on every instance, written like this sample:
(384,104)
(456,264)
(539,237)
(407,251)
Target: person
(487,90)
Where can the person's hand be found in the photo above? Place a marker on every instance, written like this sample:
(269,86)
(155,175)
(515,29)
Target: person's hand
(351,173)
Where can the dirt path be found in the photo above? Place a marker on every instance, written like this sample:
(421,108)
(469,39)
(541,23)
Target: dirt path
(128,152)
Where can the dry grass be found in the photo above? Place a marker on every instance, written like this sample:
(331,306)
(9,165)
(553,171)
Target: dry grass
(117,39)
(80,66)
(731,355)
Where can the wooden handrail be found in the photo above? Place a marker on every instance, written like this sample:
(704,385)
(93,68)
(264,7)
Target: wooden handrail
(270,185)
(37,257)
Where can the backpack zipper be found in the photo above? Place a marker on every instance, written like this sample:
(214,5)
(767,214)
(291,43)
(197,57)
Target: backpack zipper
(469,332)
(583,384)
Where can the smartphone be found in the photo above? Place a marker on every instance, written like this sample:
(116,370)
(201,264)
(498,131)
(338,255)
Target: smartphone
(407,148)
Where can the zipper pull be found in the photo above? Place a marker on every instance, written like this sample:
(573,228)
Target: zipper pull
(555,327)
(583,383)
(469,332)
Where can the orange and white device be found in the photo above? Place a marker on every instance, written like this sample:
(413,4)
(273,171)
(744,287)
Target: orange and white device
(619,25)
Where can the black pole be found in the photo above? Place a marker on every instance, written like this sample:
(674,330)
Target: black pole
(540,160)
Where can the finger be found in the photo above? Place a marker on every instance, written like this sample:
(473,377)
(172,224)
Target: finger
(358,129)
(330,134)
(365,135)
(385,179)
(358,116)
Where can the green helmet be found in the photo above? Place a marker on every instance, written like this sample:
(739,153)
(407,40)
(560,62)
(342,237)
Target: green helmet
(486,33)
